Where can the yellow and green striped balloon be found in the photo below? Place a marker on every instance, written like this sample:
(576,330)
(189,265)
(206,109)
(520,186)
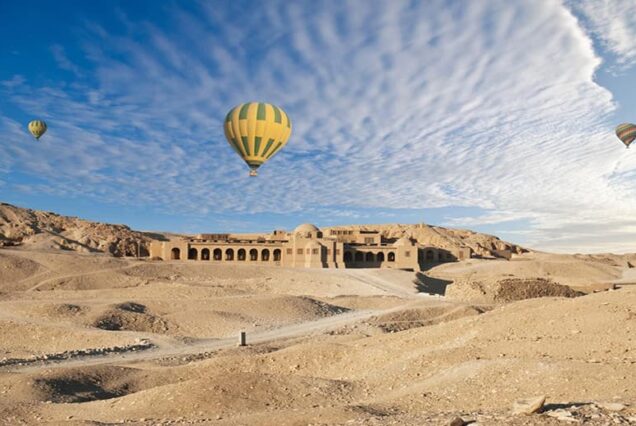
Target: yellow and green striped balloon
(37,128)
(626,132)
(257,131)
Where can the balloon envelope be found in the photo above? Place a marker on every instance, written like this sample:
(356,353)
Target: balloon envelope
(257,131)
(37,128)
(626,132)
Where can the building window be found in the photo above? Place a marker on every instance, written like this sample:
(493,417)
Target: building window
(315,251)
(290,251)
(277,255)
(368,240)
(337,252)
(407,254)
(265,255)
(391,257)
(299,251)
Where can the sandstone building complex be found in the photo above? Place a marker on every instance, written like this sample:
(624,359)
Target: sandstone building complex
(307,246)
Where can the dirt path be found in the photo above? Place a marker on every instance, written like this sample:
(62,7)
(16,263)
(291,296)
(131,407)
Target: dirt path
(170,348)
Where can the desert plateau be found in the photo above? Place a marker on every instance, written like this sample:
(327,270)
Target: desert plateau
(92,338)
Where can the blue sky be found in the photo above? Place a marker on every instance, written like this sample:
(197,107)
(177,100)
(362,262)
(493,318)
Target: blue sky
(495,116)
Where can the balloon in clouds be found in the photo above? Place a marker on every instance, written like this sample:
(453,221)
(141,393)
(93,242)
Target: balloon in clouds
(257,131)
(626,132)
(37,128)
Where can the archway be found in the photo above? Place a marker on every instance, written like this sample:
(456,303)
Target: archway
(265,255)
(253,255)
(175,254)
(369,257)
(380,257)
(241,254)
(218,254)
(229,254)
(391,257)
(205,254)
(430,255)
(193,254)
(277,255)
(359,256)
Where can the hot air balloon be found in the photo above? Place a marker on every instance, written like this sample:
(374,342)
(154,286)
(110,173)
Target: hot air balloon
(257,131)
(626,132)
(37,128)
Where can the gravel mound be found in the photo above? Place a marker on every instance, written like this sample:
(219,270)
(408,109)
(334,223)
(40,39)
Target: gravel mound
(513,289)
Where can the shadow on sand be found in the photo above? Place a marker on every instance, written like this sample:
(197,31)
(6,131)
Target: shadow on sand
(430,285)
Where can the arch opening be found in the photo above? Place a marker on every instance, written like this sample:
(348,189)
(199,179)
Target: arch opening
(175,254)
(253,255)
(193,254)
(205,254)
(241,255)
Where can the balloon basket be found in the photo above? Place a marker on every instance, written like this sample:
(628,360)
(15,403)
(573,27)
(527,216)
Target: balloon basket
(253,173)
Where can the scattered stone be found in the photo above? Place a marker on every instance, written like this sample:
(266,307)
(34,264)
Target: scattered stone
(457,421)
(562,415)
(612,406)
(528,406)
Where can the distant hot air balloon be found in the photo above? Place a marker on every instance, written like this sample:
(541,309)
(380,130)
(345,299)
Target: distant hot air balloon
(37,128)
(257,131)
(626,132)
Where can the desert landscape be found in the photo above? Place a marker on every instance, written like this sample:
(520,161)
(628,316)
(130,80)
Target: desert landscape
(93,335)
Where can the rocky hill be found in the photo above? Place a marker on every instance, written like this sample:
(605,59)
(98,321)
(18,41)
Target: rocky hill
(46,230)
(39,229)
(482,244)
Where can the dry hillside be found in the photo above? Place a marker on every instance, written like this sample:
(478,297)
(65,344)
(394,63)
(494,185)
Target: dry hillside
(44,230)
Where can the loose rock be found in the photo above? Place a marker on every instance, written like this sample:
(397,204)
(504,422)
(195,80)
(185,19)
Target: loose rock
(528,406)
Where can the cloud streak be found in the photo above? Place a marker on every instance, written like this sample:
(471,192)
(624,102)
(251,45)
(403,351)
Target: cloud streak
(431,104)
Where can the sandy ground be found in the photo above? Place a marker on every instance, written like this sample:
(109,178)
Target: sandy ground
(91,339)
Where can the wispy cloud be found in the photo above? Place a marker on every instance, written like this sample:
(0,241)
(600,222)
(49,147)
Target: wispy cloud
(613,22)
(395,105)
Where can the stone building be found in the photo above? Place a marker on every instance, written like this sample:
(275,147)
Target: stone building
(307,247)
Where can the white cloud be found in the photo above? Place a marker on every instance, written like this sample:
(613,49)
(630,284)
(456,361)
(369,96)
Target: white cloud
(482,104)
(614,23)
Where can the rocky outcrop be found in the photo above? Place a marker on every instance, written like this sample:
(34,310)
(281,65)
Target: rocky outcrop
(19,226)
